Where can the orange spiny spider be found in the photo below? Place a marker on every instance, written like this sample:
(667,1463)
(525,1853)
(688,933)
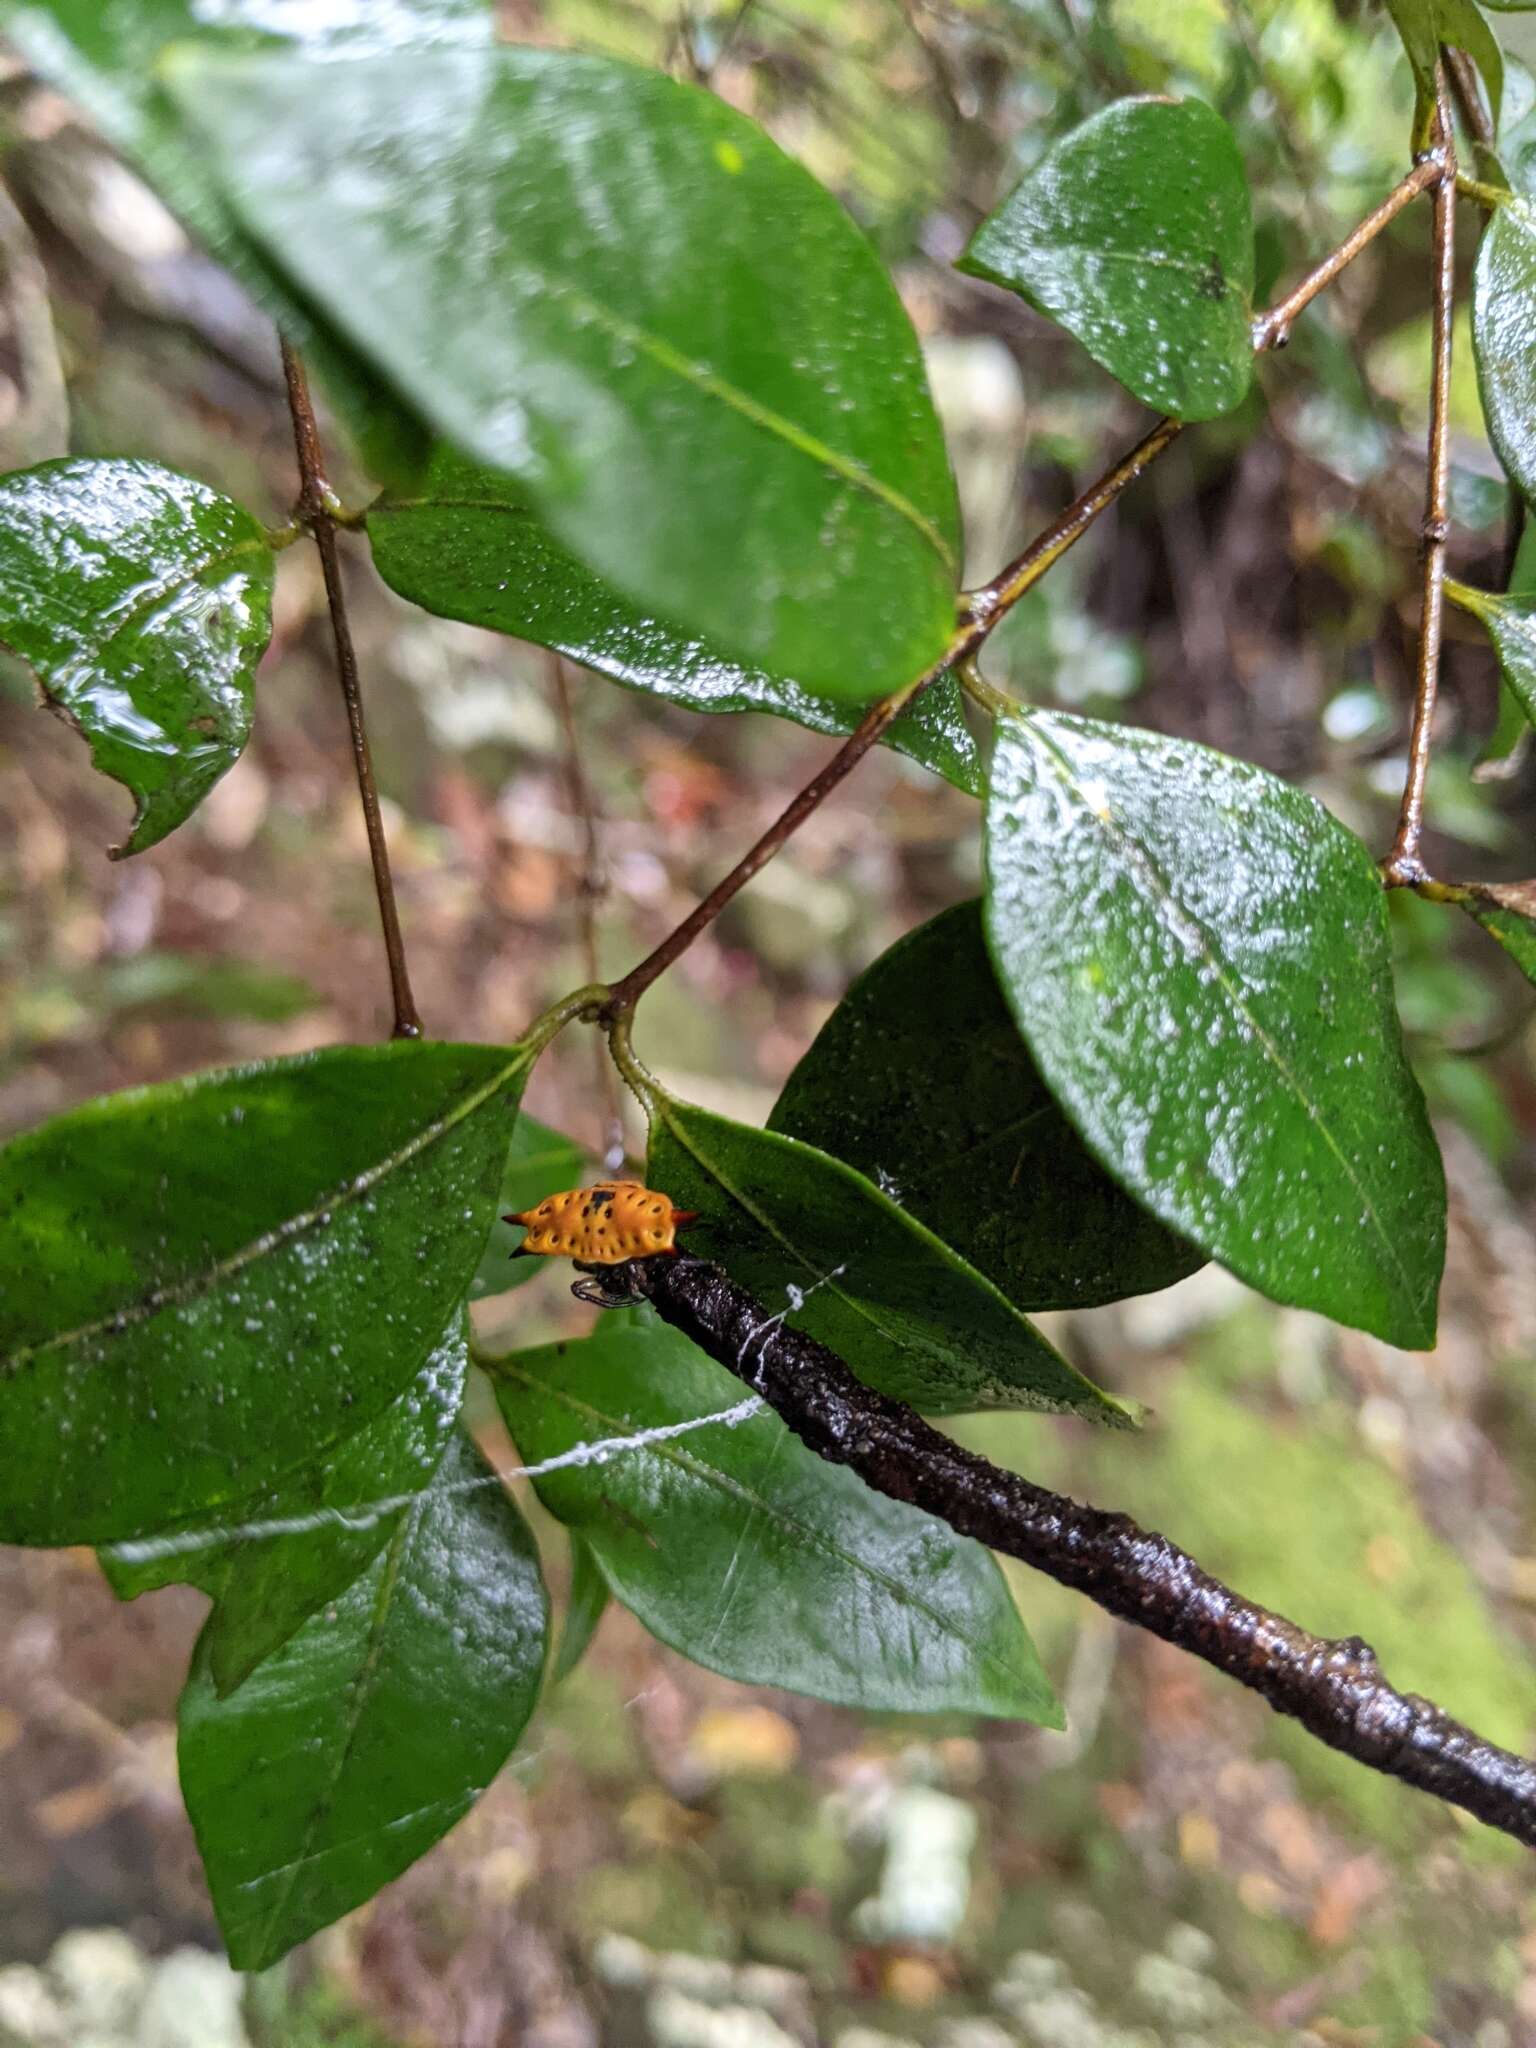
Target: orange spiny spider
(603,1225)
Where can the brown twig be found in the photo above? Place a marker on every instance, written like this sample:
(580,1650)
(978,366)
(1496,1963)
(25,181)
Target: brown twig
(1272,329)
(1461,73)
(316,510)
(984,609)
(1403,865)
(1334,1688)
(591,887)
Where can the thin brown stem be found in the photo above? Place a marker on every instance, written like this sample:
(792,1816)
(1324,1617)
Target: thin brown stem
(316,509)
(984,609)
(991,603)
(1461,73)
(591,887)
(1272,329)
(1334,1687)
(875,722)
(1403,864)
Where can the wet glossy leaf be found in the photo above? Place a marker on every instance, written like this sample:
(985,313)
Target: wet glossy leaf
(469,545)
(920,1080)
(1136,233)
(1197,956)
(1507,912)
(539,1162)
(144,602)
(1504,336)
(266,1578)
(360,1743)
(1425,24)
(1510,621)
(819,1243)
(669,332)
(106,54)
(586,1604)
(751,1555)
(209,1281)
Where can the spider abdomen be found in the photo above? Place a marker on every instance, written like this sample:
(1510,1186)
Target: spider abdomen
(602,1225)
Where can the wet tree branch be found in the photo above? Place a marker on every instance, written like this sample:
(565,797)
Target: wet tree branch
(1335,1689)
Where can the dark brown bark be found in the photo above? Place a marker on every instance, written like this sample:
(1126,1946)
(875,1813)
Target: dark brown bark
(1335,1689)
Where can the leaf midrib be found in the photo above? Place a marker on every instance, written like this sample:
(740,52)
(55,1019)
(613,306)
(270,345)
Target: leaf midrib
(289,1231)
(358,1695)
(1150,259)
(827,1281)
(145,600)
(1092,1401)
(745,1495)
(1140,858)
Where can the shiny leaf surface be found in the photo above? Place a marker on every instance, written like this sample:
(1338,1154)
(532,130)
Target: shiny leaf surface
(751,1555)
(673,337)
(1507,912)
(920,1079)
(539,1162)
(266,1579)
(209,1281)
(1136,233)
(143,600)
(1504,336)
(360,1743)
(1197,956)
(106,54)
(468,545)
(814,1240)
(1510,621)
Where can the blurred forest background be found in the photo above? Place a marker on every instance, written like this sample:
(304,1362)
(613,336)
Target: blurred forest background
(672,1859)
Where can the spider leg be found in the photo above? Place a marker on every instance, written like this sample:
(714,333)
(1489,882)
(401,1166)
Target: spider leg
(605,1286)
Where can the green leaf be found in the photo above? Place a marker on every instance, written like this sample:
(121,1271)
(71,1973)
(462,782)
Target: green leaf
(1197,956)
(1425,24)
(107,57)
(539,1162)
(1505,910)
(346,1755)
(468,545)
(1503,292)
(1508,913)
(144,602)
(267,1578)
(209,1281)
(585,1606)
(920,1080)
(661,325)
(1136,233)
(814,1240)
(748,1553)
(1510,622)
